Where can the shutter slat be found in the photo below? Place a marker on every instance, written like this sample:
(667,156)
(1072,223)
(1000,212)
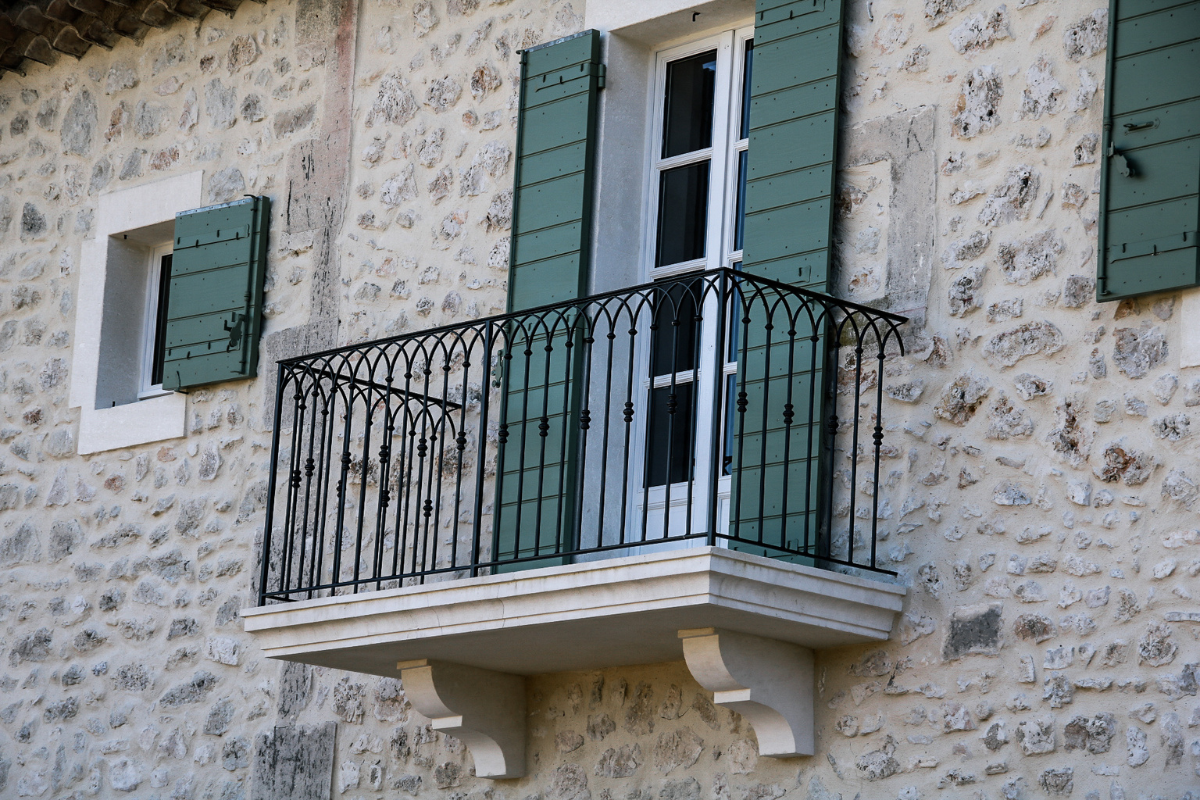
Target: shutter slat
(1156,78)
(555,141)
(1129,10)
(1149,217)
(217,273)
(1157,30)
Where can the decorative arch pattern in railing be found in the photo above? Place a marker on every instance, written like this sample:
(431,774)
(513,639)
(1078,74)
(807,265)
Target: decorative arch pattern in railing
(715,408)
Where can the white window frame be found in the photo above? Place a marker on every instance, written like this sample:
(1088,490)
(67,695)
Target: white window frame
(730,44)
(120,215)
(150,321)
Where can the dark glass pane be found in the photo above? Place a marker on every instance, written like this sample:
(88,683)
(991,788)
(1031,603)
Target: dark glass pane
(676,331)
(747,65)
(160,319)
(688,107)
(739,210)
(682,214)
(670,435)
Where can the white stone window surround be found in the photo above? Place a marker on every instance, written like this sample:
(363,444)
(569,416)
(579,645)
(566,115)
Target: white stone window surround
(639,37)
(660,22)
(635,31)
(107,361)
(1189,314)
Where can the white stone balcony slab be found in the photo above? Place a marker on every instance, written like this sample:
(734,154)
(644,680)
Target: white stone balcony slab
(746,625)
(606,613)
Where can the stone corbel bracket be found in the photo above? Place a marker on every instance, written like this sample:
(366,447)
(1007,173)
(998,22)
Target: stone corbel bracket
(769,682)
(485,709)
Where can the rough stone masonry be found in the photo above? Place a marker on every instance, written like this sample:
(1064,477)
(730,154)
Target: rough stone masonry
(1040,492)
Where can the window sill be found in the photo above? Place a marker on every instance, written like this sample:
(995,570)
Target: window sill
(150,394)
(151,420)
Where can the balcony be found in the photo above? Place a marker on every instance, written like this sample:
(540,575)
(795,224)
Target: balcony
(635,477)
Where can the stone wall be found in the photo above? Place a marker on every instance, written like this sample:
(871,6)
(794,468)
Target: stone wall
(1039,494)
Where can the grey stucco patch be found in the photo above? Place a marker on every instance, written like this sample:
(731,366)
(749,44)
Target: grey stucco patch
(906,142)
(294,762)
(974,630)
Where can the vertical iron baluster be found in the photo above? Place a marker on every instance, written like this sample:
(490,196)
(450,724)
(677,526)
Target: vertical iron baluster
(324,471)
(368,415)
(812,451)
(524,435)
(384,496)
(266,554)
(655,295)
(585,425)
(854,440)
(717,440)
(788,415)
(309,499)
(878,447)
(460,442)
(605,417)
(485,362)
(769,327)
(735,513)
(564,426)
(628,414)
(404,477)
(293,482)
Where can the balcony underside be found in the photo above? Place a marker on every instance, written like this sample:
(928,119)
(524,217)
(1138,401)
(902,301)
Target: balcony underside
(584,616)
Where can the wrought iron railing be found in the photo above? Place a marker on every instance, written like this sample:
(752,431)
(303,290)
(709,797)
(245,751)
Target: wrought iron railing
(715,408)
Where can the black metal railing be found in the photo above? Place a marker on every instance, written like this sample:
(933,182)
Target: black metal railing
(715,408)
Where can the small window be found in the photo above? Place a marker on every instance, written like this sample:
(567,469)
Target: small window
(154,325)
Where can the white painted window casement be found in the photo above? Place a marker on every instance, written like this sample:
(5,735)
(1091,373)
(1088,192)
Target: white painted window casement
(113,384)
(695,195)
(697,154)
(154,319)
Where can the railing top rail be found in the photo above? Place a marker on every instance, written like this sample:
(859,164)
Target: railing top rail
(826,301)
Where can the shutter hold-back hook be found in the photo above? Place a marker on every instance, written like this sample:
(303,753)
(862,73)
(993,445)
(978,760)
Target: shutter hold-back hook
(1123,164)
(235,331)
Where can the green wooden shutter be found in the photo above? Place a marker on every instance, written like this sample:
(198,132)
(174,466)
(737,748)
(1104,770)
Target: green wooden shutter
(552,202)
(791,156)
(1151,150)
(551,243)
(793,141)
(214,311)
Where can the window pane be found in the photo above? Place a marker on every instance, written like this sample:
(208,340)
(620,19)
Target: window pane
(739,208)
(670,435)
(688,110)
(160,319)
(747,65)
(682,213)
(677,330)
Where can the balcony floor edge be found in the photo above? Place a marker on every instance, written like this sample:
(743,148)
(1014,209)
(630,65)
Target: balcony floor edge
(597,614)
